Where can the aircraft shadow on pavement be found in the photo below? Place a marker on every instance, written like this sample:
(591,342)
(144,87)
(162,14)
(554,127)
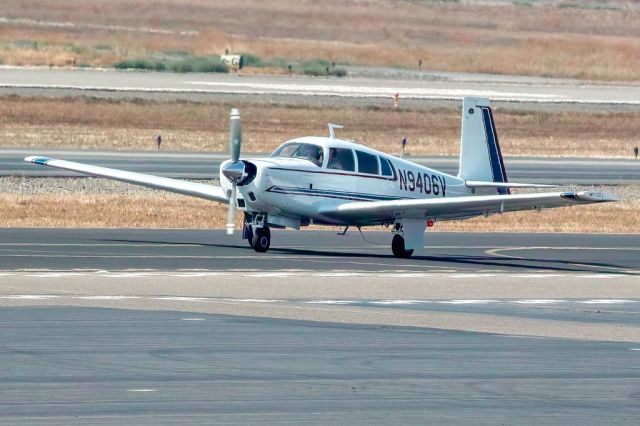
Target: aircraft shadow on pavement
(465,261)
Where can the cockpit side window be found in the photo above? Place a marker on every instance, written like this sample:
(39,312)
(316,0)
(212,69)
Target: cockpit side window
(386,167)
(306,151)
(367,163)
(285,150)
(341,159)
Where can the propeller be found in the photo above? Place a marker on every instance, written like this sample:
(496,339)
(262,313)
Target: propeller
(235,139)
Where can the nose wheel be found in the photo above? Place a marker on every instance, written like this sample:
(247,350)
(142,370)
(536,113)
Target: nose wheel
(261,239)
(398,248)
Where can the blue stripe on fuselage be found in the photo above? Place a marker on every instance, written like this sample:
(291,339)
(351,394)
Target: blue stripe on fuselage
(356,196)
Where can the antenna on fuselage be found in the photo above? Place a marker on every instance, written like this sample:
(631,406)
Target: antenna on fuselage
(332,126)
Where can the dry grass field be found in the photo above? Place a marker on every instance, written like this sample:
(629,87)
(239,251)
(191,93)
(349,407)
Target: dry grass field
(163,210)
(591,40)
(132,125)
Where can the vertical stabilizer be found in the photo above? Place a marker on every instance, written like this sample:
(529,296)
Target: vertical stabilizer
(480,156)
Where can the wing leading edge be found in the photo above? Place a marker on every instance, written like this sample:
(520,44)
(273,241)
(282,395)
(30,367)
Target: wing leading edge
(200,190)
(459,207)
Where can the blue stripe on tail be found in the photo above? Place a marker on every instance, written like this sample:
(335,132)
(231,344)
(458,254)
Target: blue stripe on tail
(495,156)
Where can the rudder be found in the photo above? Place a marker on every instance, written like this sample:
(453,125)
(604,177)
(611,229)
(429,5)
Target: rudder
(480,155)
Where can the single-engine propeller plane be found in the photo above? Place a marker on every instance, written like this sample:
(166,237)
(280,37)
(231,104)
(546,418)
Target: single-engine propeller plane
(329,181)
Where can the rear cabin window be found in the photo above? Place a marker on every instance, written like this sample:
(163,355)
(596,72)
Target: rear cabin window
(341,159)
(367,163)
(386,167)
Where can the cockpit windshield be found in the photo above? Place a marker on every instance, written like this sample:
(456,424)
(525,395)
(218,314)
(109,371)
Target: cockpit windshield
(306,151)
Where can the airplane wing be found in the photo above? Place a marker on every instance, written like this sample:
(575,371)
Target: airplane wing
(458,207)
(200,190)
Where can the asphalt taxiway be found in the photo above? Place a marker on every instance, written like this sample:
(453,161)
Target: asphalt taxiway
(582,171)
(318,275)
(67,365)
(314,251)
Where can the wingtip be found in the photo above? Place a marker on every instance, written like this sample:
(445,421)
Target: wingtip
(37,159)
(598,196)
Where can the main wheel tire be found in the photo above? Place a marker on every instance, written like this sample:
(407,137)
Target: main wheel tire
(250,235)
(397,247)
(261,240)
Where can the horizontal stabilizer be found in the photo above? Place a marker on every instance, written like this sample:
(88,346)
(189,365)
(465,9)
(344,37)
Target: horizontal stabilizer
(200,190)
(482,184)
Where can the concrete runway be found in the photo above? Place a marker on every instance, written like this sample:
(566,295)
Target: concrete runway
(98,366)
(545,91)
(479,328)
(579,171)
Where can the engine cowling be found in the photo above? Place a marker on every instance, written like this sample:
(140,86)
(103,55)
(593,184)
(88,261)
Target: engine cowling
(240,172)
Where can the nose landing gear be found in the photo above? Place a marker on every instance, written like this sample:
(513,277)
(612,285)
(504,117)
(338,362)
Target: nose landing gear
(257,232)
(261,239)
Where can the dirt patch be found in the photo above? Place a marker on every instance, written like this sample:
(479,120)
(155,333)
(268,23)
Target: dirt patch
(155,209)
(86,123)
(544,38)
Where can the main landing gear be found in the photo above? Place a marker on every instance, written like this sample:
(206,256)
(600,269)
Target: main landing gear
(407,236)
(257,233)
(398,249)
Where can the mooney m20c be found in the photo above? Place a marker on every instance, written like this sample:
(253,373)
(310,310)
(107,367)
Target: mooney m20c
(329,181)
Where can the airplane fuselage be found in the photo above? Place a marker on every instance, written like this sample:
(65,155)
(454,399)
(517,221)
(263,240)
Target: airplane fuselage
(299,189)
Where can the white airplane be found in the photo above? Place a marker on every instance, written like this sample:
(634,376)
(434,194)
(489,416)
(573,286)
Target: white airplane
(329,181)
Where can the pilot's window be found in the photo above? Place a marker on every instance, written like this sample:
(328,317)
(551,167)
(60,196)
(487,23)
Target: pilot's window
(341,159)
(305,151)
(286,150)
(367,163)
(386,168)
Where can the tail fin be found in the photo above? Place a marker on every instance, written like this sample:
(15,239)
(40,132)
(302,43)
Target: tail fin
(480,156)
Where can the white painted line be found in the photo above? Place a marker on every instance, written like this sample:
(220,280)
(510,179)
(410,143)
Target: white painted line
(475,275)
(181,298)
(599,276)
(142,390)
(330,302)
(398,302)
(539,301)
(634,349)
(56,275)
(606,301)
(347,90)
(192,319)
(468,301)
(538,275)
(300,273)
(105,297)
(30,296)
